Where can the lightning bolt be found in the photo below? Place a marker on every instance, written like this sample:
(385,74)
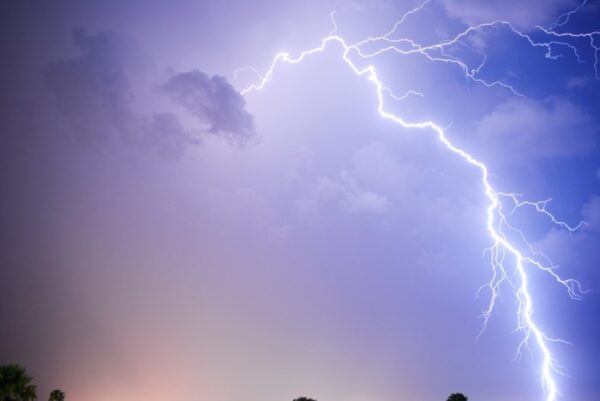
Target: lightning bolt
(524,257)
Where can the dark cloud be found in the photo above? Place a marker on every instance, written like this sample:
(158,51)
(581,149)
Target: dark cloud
(164,132)
(95,98)
(218,106)
(92,90)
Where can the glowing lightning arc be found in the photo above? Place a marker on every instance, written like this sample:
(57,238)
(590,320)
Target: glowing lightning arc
(496,219)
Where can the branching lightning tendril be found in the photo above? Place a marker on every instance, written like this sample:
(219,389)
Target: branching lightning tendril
(498,227)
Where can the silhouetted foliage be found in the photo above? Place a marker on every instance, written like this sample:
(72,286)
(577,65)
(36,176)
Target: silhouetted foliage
(304,399)
(57,395)
(457,397)
(15,384)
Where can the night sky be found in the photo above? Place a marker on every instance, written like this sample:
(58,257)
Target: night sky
(165,237)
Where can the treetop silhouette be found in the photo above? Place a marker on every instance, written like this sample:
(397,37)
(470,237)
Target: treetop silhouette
(457,397)
(16,384)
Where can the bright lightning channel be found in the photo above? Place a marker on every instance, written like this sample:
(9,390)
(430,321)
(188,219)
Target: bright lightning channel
(496,218)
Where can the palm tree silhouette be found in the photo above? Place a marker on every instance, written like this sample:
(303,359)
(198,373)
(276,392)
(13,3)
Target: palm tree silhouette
(57,395)
(457,397)
(15,384)
(304,399)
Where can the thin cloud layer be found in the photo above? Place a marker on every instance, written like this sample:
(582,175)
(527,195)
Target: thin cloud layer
(578,251)
(533,13)
(524,130)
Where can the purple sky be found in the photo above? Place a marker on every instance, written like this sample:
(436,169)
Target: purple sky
(166,237)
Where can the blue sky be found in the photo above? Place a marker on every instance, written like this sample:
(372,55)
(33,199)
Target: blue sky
(166,236)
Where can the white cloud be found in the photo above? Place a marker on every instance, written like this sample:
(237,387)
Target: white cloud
(344,192)
(357,200)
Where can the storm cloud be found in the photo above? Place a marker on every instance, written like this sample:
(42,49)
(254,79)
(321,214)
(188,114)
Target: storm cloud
(214,102)
(96,99)
(92,90)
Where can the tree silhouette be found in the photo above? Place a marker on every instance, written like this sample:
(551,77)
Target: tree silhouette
(15,384)
(304,399)
(57,395)
(457,397)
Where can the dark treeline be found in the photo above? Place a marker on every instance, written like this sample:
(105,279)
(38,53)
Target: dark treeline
(453,397)
(17,385)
